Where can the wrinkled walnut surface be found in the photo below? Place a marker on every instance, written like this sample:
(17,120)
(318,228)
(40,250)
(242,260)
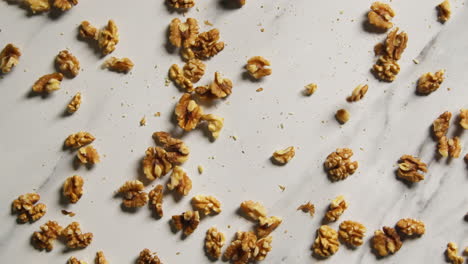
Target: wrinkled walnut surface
(326,243)
(65,5)
(452,253)
(156,200)
(215,124)
(79,139)
(188,112)
(339,165)
(214,241)
(307,208)
(381,15)
(9,58)
(88,155)
(67,63)
(75,238)
(122,65)
(44,239)
(74,104)
(27,208)
(352,233)
(358,93)
(180,182)
(73,188)
(283,156)
(266,225)
(254,210)
(257,67)
(148,257)
(133,194)
(187,221)
(48,83)
(411,227)
(430,82)
(409,167)
(386,242)
(336,209)
(206,204)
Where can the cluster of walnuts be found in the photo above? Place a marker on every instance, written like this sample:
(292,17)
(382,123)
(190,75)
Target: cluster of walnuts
(86,153)
(51,231)
(449,147)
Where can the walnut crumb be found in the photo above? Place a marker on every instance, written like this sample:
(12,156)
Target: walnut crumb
(187,221)
(381,15)
(339,165)
(67,63)
(445,11)
(75,238)
(37,6)
(156,200)
(342,115)
(69,213)
(266,225)
(27,208)
(44,239)
(452,254)
(65,5)
(352,233)
(259,90)
(200,169)
(88,155)
(307,208)
(148,257)
(326,244)
(180,181)
(74,104)
(100,258)
(181,4)
(409,167)
(214,242)
(464,118)
(133,194)
(48,83)
(206,204)
(143,121)
(429,82)
(215,124)
(386,242)
(411,227)
(441,125)
(358,93)
(336,209)
(283,156)
(122,65)
(9,58)
(79,139)
(188,112)
(73,188)
(310,89)
(256,67)
(254,210)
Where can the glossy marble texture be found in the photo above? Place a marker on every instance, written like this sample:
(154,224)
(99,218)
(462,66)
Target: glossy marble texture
(306,41)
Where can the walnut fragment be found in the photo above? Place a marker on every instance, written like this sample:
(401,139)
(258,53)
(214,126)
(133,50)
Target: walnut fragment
(177,151)
(9,58)
(409,167)
(326,244)
(187,221)
(464,118)
(44,239)
(381,15)
(148,257)
(206,204)
(133,194)
(73,188)
(100,258)
(67,63)
(88,155)
(411,227)
(180,181)
(430,82)
(65,5)
(386,242)
(283,156)
(27,208)
(48,83)
(73,260)
(181,4)
(183,33)
(246,248)
(79,139)
(37,6)
(156,163)
(266,225)
(336,209)
(310,89)
(358,93)
(386,68)
(220,88)
(75,238)
(342,115)
(205,46)
(452,253)
(214,242)
(257,67)
(188,112)
(108,38)
(339,165)
(121,65)
(441,125)
(445,11)
(214,124)
(87,31)
(254,210)
(307,208)
(74,104)
(156,200)
(352,233)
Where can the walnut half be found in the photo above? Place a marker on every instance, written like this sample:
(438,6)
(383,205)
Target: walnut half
(9,58)
(48,83)
(452,253)
(73,188)
(256,67)
(180,181)
(67,63)
(411,227)
(79,139)
(27,208)
(44,239)
(326,243)
(188,112)
(187,221)
(108,38)
(177,151)
(429,82)
(409,167)
(75,238)
(133,194)
(352,233)
(65,5)
(37,6)
(122,65)
(254,210)
(214,241)
(215,124)
(148,257)
(156,163)
(283,156)
(246,248)
(381,15)
(339,165)
(88,155)
(181,4)
(386,242)
(336,209)
(206,204)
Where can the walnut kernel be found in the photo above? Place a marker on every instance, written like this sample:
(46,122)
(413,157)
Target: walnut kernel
(148,257)
(9,58)
(122,65)
(180,181)
(206,204)
(307,208)
(441,125)
(48,83)
(73,188)
(215,124)
(176,74)
(74,104)
(181,4)
(452,254)
(444,10)
(75,238)
(87,31)
(214,241)
(45,238)
(310,89)
(326,243)
(177,151)
(156,200)
(65,5)
(133,194)
(37,6)
(156,163)
(386,242)
(188,112)
(336,209)
(464,118)
(79,139)
(100,258)
(411,227)
(187,221)
(108,38)
(283,156)
(342,115)
(266,225)
(194,70)
(74,260)
(246,248)
(88,155)
(429,82)
(205,46)
(352,233)
(67,63)
(339,165)
(358,93)
(254,210)
(386,69)
(409,167)
(380,15)
(183,34)
(27,209)
(256,66)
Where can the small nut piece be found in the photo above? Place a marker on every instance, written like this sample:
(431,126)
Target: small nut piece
(183,34)
(181,4)
(214,241)
(73,188)
(206,204)
(188,112)
(156,200)
(310,89)
(411,227)
(444,10)
(283,156)
(452,253)
(177,151)
(79,139)
(75,238)
(386,242)
(108,38)
(194,70)
(339,165)
(254,210)
(441,125)
(100,258)
(256,66)
(429,82)
(148,257)
(352,233)
(409,167)
(74,260)
(74,104)
(88,155)
(155,164)
(9,58)
(176,74)
(307,208)
(342,115)
(358,93)
(187,221)
(87,31)
(27,209)
(336,209)
(380,15)
(45,238)
(464,118)
(247,248)
(65,5)
(48,83)
(122,65)
(180,181)
(133,194)
(37,6)
(67,63)
(215,124)
(326,243)
(205,46)
(266,225)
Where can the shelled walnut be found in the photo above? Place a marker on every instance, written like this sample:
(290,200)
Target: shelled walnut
(48,83)
(156,200)
(65,5)
(75,238)
(358,93)
(180,181)
(342,115)
(181,4)
(307,208)
(73,188)
(205,46)
(395,44)
(449,147)
(464,118)
(133,194)
(352,233)
(156,163)
(254,210)
(88,155)
(430,82)
(67,63)
(310,89)
(148,257)
(176,74)
(194,70)
(100,258)
(409,167)
(37,6)
(445,11)
(386,242)
(188,112)
(183,33)
(79,140)
(108,38)
(27,208)
(336,209)
(266,225)
(386,69)
(247,248)
(177,150)
(187,221)
(381,15)
(339,165)
(411,227)
(257,67)
(206,204)
(214,242)
(74,104)
(441,125)
(9,58)
(215,124)
(87,31)
(283,156)
(326,243)
(220,88)
(121,65)
(74,260)
(45,238)
(452,254)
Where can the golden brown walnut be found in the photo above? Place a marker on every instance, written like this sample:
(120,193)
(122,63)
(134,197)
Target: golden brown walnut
(219,88)
(310,89)
(256,67)
(215,124)
(342,115)
(381,15)
(307,208)
(352,233)
(441,125)
(452,254)
(9,58)
(187,221)
(74,260)
(411,227)
(100,258)
(181,4)
(183,33)
(48,83)
(206,204)
(176,74)
(148,257)
(194,70)
(75,238)
(79,139)
(206,45)
(37,6)
(464,118)
(45,238)
(409,167)
(87,31)
(430,82)
(155,164)
(27,209)
(454,147)
(180,181)
(386,242)
(443,146)
(74,104)
(386,69)
(67,63)
(444,10)
(214,242)
(65,5)
(358,93)
(336,209)
(133,194)
(122,65)
(266,225)
(88,155)
(177,151)
(326,243)
(244,248)
(73,188)
(188,112)
(254,210)
(108,38)
(339,165)
(283,156)
(395,44)
(263,248)
(241,2)
(156,200)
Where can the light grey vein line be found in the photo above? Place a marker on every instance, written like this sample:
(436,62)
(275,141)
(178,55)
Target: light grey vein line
(435,193)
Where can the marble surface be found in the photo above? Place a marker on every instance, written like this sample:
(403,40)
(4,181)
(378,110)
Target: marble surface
(307,41)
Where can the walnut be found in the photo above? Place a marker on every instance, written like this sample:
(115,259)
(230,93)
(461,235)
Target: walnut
(181,4)
(176,74)
(75,238)
(187,221)
(183,34)
(307,208)
(188,112)
(352,233)
(88,155)
(254,210)
(444,11)
(156,200)
(263,247)
(100,258)
(452,254)
(266,225)
(454,147)
(74,104)
(65,5)
(409,167)
(386,242)
(242,249)
(206,204)
(429,82)
(214,241)
(9,58)
(256,67)
(194,70)
(45,238)
(79,139)
(326,243)
(395,44)
(48,83)
(336,209)
(342,115)
(464,118)
(310,89)
(386,69)
(148,257)
(87,31)
(411,227)
(37,6)
(215,124)
(180,181)
(177,151)
(108,38)
(443,146)
(219,88)
(339,165)
(133,194)
(73,188)
(358,93)
(74,260)
(123,65)
(206,45)
(380,15)
(441,125)
(67,63)
(283,156)
(155,164)
(27,209)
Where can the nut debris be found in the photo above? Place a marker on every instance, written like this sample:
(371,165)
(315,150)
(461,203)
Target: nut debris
(266,225)
(88,155)
(254,210)
(79,140)
(67,63)
(215,124)
(148,257)
(339,165)
(326,244)
(381,15)
(214,242)
(180,181)
(358,93)
(206,204)
(37,6)
(65,5)
(183,34)
(188,112)
(409,167)
(445,11)
(411,227)
(283,156)
(75,238)
(464,118)
(430,82)
(156,163)
(133,194)
(73,188)
(352,233)
(156,200)
(336,209)
(122,65)
(44,239)
(187,221)
(9,58)
(100,258)
(48,83)
(181,4)
(452,253)
(74,104)
(310,89)
(26,208)
(386,242)
(342,115)
(177,151)
(307,208)
(441,125)
(257,67)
